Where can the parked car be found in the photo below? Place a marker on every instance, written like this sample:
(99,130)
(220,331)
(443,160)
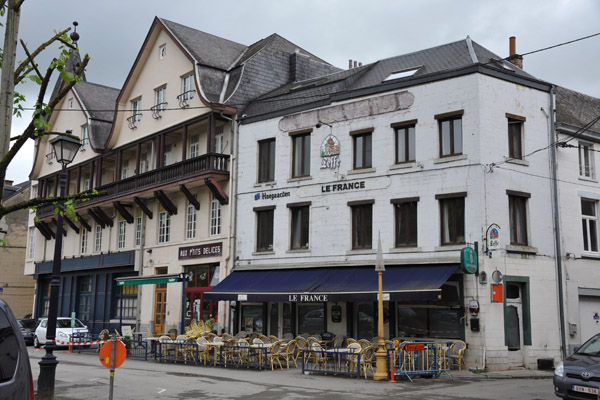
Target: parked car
(28,327)
(16,382)
(578,376)
(63,330)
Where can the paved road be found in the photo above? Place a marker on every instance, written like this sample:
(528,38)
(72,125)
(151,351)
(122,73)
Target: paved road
(80,376)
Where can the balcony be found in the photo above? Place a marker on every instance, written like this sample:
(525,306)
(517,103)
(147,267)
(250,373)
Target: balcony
(211,165)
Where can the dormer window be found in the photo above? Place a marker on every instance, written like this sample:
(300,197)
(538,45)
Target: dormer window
(187,90)
(162,51)
(401,74)
(136,113)
(160,104)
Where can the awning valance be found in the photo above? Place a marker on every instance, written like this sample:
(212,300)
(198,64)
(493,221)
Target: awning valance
(148,280)
(400,283)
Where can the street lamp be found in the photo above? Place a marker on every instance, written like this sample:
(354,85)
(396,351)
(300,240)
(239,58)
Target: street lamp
(381,354)
(65,148)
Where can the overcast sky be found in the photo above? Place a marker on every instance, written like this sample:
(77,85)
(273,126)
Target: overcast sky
(112,33)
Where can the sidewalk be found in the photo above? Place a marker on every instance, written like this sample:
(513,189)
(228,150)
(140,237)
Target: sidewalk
(521,373)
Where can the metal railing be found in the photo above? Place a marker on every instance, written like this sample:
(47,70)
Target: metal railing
(331,362)
(411,359)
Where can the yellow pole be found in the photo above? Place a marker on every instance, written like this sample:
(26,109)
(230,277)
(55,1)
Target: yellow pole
(381,354)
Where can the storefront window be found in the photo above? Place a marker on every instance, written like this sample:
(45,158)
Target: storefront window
(311,318)
(252,318)
(200,279)
(422,322)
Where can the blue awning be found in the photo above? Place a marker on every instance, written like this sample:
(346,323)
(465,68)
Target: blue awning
(400,283)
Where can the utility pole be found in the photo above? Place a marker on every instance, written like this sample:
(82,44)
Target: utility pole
(7,79)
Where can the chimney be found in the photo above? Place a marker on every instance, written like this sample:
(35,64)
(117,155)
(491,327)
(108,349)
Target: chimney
(8,183)
(355,64)
(350,64)
(512,51)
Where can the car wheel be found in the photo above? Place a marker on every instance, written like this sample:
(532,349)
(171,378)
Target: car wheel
(36,342)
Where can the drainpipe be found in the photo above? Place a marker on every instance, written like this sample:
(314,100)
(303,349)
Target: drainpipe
(557,237)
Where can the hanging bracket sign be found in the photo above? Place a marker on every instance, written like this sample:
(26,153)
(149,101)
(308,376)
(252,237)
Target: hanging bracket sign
(468,260)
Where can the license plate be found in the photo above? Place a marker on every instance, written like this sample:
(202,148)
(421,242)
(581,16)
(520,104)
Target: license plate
(584,389)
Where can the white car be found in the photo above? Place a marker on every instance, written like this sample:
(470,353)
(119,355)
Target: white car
(63,330)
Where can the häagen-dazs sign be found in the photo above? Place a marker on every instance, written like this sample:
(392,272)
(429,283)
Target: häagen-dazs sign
(201,250)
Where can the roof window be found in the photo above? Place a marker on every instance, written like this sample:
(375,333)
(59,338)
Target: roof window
(401,74)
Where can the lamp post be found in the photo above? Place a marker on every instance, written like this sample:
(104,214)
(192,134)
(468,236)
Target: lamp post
(381,354)
(65,149)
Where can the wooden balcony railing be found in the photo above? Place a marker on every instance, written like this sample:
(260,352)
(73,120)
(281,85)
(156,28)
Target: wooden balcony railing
(207,165)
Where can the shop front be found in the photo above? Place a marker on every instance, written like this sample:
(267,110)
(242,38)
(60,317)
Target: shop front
(419,301)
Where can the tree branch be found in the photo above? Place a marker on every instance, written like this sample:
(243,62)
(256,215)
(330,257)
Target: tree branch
(37,51)
(33,64)
(23,75)
(42,201)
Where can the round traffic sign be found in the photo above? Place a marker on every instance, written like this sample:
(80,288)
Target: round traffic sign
(106,352)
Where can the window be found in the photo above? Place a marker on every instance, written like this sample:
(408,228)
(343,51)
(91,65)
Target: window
(70,103)
(405,143)
(589,224)
(450,127)
(161,101)
(264,229)
(138,231)
(301,155)
(31,244)
(362,225)
(586,160)
(164,227)
(121,234)
(187,87)
(192,216)
(215,217)
(452,218)
(85,138)
(86,181)
(127,302)
(515,136)
(136,109)
(405,216)
(83,240)
(219,139)
(124,169)
(299,226)
(517,204)
(167,157)
(98,239)
(362,150)
(143,163)
(194,146)
(162,51)
(266,160)
(85,298)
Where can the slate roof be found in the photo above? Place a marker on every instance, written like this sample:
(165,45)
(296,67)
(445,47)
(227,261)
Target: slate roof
(448,57)
(11,190)
(577,109)
(99,102)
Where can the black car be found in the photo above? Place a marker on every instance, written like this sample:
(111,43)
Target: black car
(578,376)
(28,329)
(16,382)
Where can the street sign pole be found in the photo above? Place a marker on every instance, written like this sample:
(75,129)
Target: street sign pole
(112,367)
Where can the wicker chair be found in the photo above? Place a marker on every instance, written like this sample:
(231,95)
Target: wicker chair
(288,336)
(166,346)
(264,338)
(350,341)
(273,339)
(457,354)
(353,355)
(364,343)
(203,350)
(241,335)
(318,356)
(273,355)
(337,341)
(290,353)
(367,358)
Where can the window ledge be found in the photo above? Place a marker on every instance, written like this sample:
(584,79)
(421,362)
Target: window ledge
(263,184)
(298,251)
(263,253)
(451,247)
(360,251)
(516,161)
(361,171)
(442,160)
(593,256)
(521,249)
(588,179)
(405,250)
(301,178)
(411,164)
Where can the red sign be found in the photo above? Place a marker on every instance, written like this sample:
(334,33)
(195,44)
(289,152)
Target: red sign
(497,293)
(106,352)
(414,347)
(201,250)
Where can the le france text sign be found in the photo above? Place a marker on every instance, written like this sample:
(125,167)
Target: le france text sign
(201,250)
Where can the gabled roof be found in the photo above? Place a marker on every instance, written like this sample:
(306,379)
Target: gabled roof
(577,109)
(98,101)
(12,190)
(425,63)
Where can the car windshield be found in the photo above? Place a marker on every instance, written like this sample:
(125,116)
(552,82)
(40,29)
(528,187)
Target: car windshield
(28,323)
(591,347)
(66,323)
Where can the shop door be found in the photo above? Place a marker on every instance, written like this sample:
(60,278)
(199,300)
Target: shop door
(365,321)
(280,319)
(160,303)
(198,309)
